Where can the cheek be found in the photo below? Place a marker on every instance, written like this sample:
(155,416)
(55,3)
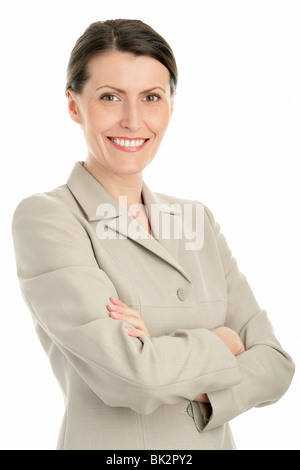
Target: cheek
(99,120)
(160,121)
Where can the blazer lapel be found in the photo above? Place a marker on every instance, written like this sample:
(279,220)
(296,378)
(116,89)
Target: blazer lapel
(99,205)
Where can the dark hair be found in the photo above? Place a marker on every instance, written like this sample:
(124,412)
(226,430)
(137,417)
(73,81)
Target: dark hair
(123,35)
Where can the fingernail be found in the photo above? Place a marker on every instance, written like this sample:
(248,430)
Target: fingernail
(116,315)
(111,307)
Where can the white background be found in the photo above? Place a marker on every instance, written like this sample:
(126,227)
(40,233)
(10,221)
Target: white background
(233,143)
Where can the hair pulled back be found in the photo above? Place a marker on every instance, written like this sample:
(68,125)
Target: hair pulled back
(122,35)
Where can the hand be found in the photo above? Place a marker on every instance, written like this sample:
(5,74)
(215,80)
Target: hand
(233,342)
(202,398)
(120,311)
(231,339)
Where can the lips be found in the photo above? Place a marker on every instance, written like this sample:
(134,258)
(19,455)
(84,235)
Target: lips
(128,145)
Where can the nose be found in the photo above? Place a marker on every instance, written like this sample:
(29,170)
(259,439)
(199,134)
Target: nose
(131,118)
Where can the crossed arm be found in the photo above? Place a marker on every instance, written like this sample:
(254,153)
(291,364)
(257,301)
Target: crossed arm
(120,311)
(60,278)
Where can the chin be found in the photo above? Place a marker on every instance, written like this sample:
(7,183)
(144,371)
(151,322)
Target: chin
(130,168)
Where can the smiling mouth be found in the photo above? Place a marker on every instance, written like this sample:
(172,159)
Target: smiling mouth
(128,145)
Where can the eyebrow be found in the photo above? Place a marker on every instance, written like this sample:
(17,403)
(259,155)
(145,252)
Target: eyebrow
(123,91)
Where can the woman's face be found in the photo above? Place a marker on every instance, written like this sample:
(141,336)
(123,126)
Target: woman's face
(124,110)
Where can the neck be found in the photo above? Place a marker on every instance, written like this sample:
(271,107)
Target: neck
(117,185)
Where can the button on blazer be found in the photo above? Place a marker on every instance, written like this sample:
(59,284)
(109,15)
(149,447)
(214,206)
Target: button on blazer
(76,247)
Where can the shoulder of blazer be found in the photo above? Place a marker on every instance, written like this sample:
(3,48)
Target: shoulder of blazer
(60,197)
(63,199)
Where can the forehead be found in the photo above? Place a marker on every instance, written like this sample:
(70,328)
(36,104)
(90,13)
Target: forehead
(121,69)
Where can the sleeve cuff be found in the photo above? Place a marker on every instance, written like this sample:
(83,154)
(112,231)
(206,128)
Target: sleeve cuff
(201,414)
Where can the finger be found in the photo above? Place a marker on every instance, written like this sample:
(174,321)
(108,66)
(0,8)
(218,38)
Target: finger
(126,311)
(122,308)
(116,315)
(116,301)
(241,350)
(136,333)
(133,321)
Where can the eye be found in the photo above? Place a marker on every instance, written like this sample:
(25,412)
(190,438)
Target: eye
(108,97)
(152,98)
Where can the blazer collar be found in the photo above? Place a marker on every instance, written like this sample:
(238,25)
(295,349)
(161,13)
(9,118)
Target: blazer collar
(89,194)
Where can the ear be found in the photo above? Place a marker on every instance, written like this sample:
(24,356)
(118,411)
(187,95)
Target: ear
(172,106)
(73,106)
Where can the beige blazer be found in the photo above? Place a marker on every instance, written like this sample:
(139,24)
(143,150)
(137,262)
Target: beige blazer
(127,393)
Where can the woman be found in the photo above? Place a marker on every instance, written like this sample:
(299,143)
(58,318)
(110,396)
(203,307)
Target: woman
(153,333)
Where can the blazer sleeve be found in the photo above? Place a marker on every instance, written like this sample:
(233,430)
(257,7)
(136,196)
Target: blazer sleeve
(67,293)
(266,370)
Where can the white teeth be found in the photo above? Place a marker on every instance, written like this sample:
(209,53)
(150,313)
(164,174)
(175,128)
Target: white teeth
(129,143)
